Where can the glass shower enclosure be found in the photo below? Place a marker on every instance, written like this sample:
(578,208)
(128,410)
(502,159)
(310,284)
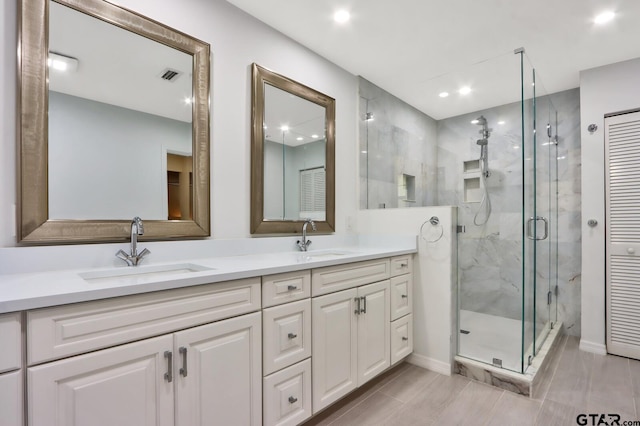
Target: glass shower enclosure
(507,266)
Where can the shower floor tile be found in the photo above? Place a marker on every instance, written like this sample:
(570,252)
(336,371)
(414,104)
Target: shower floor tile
(490,337)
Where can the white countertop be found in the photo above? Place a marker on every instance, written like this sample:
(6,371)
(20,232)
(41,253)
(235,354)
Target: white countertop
(22,291)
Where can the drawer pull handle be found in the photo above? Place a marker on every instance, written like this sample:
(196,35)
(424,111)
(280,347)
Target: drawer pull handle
(168,376)
(292,400)
(405,338)
(183,352)
(404,265)
(404,296)
(357,300)
(364,309)
(291,287)
(292,336)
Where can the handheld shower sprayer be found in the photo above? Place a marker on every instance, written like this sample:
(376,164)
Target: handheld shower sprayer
(484,142)
(484,169)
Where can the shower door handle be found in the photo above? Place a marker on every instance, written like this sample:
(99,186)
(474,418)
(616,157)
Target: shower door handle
(530,233)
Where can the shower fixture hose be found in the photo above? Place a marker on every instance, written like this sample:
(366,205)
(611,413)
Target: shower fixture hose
(485,204)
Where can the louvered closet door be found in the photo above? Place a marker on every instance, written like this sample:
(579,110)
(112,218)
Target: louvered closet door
(622,140)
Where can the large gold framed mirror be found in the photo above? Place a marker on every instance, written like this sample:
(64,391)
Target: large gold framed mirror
(292,155)
(114,123)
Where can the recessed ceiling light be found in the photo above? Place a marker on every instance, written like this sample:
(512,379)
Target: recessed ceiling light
(341,16)
(284,128)
(443,94)
(474,121)
(314,136)
(604,17)
(363,152)
(299,138)
(465,90)
(501,123)
(188,101)
(62,62)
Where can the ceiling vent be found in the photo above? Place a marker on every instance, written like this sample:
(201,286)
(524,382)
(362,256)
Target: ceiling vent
(170,74)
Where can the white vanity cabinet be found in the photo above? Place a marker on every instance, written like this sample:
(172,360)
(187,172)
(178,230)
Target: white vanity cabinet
(286,348)
(401,307)
(11,406)
(270,350)
(200,375)
(351,329)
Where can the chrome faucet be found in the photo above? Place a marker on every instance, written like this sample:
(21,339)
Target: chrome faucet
(134,258)
(304,244)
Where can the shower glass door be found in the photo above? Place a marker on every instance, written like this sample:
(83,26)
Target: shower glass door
(530,222)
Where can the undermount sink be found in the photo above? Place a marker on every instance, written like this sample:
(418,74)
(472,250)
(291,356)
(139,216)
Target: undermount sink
(311,255)
(152,271)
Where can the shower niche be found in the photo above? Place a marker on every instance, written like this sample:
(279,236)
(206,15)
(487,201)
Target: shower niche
(472,189)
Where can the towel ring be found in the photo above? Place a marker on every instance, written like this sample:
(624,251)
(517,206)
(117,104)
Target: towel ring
(434,221)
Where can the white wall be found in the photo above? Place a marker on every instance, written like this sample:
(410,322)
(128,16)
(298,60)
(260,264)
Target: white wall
(127,163)
(237,40)
(434,281)
(603,90)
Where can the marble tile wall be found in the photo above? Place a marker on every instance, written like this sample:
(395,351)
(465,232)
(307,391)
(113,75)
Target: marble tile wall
(401,139)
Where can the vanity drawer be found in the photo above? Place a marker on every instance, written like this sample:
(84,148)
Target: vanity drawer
(10,342)
(287,395)
(401,265)
(286,331)
(401,296)
(401,338)
(288,287)
(341,277)
(72,329)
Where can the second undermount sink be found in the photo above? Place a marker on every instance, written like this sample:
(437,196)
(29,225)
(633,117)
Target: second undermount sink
(146,272)
(312,255)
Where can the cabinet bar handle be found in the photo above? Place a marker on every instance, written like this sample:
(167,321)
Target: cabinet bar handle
(404,265)
(168,376)
(183,352)
(405,338)
(292,400)
(291,287)
(404,296)
(357,300)
(292,336)
(364,309)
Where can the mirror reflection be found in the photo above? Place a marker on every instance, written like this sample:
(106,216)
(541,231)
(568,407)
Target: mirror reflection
(114,123)
(294,157)
(100,170)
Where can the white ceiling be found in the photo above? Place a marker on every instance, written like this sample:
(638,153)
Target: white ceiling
(416,49)
(118,67)
(304,120)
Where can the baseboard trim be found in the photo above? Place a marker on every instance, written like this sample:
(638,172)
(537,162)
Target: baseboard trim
(430,364)
(595,348)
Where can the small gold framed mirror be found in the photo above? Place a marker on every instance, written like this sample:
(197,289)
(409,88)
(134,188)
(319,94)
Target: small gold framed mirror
(292,155)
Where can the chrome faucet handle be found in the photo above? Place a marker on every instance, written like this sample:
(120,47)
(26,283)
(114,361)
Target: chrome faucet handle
(143,253)
(124,256)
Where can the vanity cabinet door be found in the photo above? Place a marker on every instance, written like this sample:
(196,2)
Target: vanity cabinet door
(334,347)
(125,386)
(11,406)
(218,378)
(374,346)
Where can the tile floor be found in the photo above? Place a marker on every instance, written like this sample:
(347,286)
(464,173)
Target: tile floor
(579,382)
